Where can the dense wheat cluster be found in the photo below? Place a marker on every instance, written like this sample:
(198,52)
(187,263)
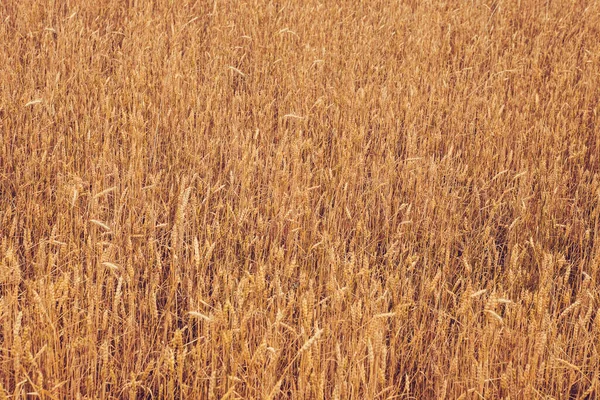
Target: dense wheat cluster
(273,199)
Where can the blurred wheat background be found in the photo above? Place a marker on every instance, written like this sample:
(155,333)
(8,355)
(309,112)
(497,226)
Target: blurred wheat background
(308,199)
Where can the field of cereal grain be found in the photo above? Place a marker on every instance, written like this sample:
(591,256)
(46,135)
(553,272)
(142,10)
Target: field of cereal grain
(284,199)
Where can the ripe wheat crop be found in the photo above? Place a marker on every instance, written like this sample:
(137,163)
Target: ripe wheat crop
(285,199)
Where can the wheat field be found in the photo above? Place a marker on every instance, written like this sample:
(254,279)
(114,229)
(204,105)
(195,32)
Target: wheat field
(284,199)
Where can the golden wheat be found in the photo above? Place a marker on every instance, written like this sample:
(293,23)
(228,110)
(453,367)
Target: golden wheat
(308,200)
